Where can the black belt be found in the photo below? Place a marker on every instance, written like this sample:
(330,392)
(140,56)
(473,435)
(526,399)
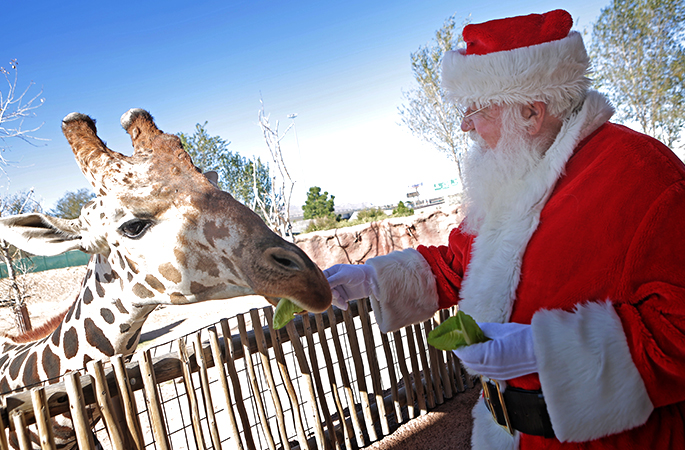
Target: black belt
(524,410)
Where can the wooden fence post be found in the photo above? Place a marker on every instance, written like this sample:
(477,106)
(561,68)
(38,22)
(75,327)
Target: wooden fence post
(77,408)
(40,409)
(154,406)
(223,379)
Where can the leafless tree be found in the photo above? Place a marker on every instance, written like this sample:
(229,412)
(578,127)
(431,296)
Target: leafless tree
(16,288)
(15,107)
(276,208)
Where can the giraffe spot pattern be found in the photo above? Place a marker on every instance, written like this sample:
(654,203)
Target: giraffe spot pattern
(229,265)
(77,316)
(99,289)
(70,343)
(31,371)
(129,276)
(67,318)
(86,360)
(178,299)
(16,364)
(154,283)
(120,306)
(208,266)
(51,364)
(169,272)
(56,335)
(196,288)
(124,327)
(132,265)
(121,261)
(97,338)
(141,291)
(4,385)
(107,315)
(87,296)
(131,342)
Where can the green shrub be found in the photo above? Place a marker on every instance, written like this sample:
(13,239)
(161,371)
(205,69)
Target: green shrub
(402,211)
(371,215)
(322,223)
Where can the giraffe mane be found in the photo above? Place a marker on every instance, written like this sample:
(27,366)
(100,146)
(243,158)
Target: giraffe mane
(34,334)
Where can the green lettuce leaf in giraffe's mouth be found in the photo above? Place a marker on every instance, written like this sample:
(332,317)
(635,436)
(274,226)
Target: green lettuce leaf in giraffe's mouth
(285,312)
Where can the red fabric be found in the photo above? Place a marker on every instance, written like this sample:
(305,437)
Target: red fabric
(614,228)
(448,278)
(516,32)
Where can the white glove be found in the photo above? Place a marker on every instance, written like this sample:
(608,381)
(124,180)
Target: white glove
(509,354)
(351,282)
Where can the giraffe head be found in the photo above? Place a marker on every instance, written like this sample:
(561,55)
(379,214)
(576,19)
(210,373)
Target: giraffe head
(168,232)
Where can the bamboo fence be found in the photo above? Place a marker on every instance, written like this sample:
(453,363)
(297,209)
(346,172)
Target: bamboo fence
(326,381)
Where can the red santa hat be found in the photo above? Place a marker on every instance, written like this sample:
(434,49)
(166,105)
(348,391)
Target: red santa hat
(518,60)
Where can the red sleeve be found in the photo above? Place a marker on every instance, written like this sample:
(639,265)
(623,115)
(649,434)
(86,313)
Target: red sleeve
(653,317)
(447,264)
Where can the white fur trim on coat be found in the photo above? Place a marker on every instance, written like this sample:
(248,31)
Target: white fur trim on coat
(595,390)
(553,71)
(489,287)
(407,290)
(488,434)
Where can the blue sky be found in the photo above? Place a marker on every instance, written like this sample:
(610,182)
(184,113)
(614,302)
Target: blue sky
(340,66)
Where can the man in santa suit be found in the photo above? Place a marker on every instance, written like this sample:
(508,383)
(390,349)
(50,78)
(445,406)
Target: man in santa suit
(571,255)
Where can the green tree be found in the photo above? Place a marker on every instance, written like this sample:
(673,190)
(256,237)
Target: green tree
(237,174)
(639,59)
(428,114)
(69,206)
(318,204)
(402,210)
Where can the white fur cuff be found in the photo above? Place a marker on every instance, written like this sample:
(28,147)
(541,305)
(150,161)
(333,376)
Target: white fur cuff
(488,434)
(588,377)
(407,290)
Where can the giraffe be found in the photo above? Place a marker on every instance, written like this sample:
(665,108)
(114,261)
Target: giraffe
(159,232)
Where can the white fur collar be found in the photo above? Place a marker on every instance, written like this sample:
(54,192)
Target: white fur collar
(490,283)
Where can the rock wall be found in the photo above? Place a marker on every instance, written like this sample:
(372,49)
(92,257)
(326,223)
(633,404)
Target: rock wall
(354,245)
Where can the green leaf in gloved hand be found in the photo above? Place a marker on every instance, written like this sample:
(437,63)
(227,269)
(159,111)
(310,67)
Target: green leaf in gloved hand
(457,331)
(285,312)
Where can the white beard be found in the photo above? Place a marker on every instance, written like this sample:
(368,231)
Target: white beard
(495,178)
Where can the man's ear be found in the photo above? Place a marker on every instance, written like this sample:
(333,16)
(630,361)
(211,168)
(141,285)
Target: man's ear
(40,234)
(535,115)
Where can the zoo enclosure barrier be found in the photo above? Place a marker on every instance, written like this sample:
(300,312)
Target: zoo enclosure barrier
(326,381)
(38,263)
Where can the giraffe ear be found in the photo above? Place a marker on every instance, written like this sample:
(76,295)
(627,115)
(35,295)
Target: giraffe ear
(40,234)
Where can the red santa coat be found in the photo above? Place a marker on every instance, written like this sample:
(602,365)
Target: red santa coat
(594,259)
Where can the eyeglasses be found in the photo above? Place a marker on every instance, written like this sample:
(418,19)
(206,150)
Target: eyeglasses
(465,114)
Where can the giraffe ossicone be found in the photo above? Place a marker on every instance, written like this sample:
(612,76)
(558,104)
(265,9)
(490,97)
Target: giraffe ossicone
(160,232)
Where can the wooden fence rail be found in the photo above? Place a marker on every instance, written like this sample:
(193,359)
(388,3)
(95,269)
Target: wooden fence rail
(326,381)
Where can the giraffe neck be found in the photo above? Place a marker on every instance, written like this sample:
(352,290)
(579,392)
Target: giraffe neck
(102,322)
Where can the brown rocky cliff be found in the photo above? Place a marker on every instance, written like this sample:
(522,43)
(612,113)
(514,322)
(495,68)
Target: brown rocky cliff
(354,245)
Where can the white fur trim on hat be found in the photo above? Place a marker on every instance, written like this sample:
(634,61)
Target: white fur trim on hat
(407,290)
(591,384)
(549,72)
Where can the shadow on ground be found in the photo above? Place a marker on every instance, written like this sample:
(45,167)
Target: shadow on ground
(150,335)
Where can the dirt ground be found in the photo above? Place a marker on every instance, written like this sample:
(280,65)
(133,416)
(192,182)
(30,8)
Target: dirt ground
(448,426)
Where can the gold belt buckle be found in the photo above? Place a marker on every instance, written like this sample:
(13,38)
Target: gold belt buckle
(488,400)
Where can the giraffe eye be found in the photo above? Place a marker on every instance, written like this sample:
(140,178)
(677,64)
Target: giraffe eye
(135,228)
